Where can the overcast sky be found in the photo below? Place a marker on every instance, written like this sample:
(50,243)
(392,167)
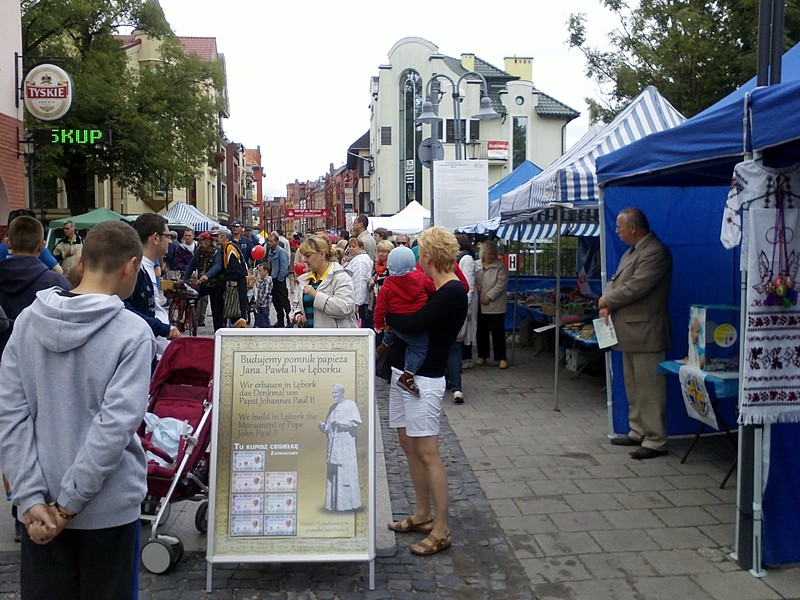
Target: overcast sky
(299,71)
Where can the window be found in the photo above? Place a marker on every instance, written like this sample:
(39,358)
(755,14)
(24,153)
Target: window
(519,140)
(386,136)
(410,137)
(470,130)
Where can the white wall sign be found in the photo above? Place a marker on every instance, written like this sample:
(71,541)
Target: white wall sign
(48,92)
(461,192)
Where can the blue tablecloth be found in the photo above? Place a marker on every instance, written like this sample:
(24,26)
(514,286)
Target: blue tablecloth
(724,387)
(574,338)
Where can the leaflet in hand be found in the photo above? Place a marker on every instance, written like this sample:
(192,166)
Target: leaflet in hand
(606,336)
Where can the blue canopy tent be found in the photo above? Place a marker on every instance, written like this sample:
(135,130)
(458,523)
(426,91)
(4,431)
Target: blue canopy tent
(522,174)
(680,178)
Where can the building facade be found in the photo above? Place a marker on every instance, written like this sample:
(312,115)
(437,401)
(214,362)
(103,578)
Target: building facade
(12,164)
(532,126)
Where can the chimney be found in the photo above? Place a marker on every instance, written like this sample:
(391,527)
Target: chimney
(520,66)
(468,61)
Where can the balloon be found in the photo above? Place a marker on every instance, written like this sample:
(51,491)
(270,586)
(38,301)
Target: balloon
(299,269)
(258,252)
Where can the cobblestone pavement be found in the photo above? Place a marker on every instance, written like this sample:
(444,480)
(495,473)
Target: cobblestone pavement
(542,507)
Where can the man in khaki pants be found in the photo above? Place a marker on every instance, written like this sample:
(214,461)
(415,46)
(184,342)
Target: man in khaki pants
(638,298)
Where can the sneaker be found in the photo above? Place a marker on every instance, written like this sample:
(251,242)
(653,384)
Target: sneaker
(406,381)
(458,397)
(480,361)
(466,364)
(240,323)
(503,364)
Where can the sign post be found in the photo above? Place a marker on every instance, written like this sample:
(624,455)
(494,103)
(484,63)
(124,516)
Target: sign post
(292,447)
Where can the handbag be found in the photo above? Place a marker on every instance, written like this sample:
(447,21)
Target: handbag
(231,308)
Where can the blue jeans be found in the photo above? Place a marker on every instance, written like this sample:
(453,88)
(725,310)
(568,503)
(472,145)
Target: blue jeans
(416,348)
(453,367)
(262,317)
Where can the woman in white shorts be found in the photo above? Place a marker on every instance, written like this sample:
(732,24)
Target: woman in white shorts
(416,418)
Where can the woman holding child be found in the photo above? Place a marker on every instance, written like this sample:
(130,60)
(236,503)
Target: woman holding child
(416,418)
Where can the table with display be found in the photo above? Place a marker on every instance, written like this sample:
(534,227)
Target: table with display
(721,386)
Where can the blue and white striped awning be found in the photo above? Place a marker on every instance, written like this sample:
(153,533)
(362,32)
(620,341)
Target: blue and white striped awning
(571,178)
(579,220)
(180,211)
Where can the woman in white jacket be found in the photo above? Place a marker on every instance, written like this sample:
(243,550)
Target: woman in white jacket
(360,268)
(327,298)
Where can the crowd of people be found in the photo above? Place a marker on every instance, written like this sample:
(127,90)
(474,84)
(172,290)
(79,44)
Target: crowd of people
(429,303)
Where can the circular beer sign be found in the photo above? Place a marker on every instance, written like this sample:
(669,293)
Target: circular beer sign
(48,92)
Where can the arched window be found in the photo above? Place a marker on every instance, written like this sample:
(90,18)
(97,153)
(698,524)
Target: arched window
(410,167)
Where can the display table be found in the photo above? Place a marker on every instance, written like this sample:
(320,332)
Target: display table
(724,385)
(585,352)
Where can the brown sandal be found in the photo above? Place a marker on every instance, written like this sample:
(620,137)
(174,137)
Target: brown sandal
(406,381)
(431,545)
(407,525)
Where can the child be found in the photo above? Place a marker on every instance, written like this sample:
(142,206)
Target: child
(404,292)
(263,294)
(77,469)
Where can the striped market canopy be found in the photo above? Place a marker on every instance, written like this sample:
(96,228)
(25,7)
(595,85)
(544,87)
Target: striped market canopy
(571,178)
(580,220)
(186,213)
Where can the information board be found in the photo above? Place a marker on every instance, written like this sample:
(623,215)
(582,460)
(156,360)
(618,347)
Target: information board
(461,192)
(293,446)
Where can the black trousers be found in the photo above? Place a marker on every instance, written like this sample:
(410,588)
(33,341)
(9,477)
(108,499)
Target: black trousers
(217,300)
(496,326)
(85,564)
(280,300)
(241,288)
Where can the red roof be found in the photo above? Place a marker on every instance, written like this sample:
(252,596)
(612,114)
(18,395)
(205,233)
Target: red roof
(128,41)
(204,47)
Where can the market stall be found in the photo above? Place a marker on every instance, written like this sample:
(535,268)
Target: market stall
(681,180)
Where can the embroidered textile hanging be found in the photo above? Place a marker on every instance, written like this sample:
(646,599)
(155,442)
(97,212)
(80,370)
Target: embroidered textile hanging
(770,233)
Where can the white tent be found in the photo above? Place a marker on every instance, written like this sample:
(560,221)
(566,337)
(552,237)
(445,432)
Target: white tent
(186,213)
(412,219)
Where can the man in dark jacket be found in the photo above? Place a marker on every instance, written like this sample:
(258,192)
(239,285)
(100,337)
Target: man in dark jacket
(207,261)
(235,272)
(22,275)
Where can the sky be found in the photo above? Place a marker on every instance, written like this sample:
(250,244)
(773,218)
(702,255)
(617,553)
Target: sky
(299,71)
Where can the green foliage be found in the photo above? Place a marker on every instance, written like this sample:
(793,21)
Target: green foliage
(694,51)
(164,117)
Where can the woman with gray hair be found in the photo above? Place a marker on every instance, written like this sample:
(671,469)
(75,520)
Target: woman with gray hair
(491,281)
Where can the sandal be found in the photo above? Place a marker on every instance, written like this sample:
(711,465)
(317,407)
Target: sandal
(407,525)
(431,545)
(406,381)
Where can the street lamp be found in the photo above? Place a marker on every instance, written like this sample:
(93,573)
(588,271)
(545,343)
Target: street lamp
(430,114)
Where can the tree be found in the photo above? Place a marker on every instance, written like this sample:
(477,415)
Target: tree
(164,118)
(694,51)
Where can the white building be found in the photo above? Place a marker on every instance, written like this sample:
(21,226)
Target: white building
(531,127)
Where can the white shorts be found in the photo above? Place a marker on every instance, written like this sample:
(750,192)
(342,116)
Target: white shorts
(418,414)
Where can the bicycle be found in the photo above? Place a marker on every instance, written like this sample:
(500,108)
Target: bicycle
(183,307)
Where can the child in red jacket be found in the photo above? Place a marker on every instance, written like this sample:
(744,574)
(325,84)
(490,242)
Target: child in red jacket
(404,292)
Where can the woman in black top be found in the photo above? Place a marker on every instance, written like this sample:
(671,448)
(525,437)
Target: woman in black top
(416,418)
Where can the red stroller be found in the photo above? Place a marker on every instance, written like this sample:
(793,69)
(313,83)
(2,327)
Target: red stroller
(180,393)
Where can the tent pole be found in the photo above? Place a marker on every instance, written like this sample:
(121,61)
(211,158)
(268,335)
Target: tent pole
(516,293)
(557,318)
(603,279)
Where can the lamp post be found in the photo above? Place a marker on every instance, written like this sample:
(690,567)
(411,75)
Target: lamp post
(430,115)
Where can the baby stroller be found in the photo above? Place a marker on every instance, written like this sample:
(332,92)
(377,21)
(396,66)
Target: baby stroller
(180,394)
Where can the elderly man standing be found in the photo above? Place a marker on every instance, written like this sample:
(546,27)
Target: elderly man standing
(638,298)
(360,231)
(68,249)
(279,269)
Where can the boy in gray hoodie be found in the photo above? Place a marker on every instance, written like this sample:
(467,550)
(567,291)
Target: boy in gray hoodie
(76,466)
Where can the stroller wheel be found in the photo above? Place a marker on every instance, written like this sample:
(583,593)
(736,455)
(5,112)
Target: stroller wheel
(159,555)
(201,517)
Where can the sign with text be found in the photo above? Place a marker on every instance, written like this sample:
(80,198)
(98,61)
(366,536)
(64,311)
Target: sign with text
(307,213)
(497,150)
(293,446)
(461,192)
(48,92)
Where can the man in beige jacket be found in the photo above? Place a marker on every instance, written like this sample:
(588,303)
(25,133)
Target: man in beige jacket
(638,298)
